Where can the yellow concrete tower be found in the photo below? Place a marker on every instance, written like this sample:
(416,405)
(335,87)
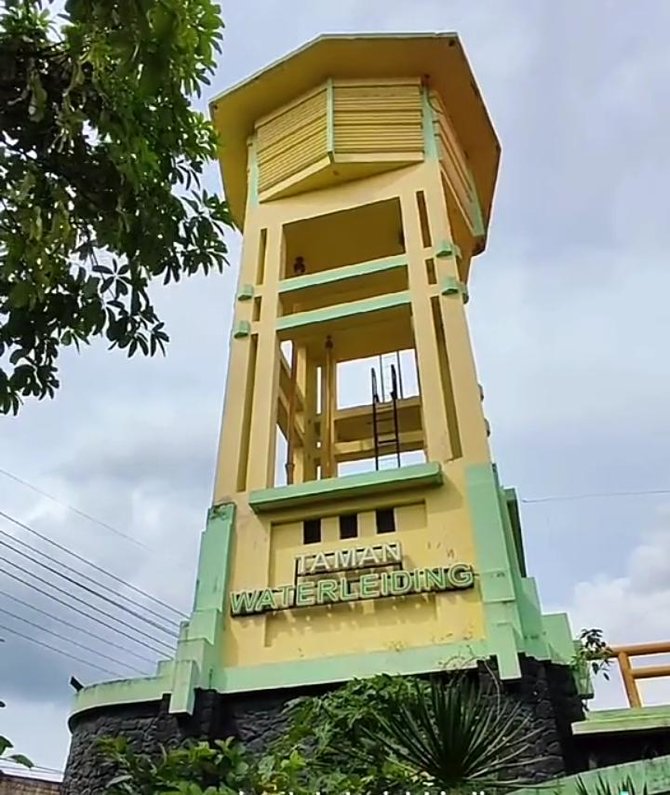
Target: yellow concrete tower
(361,170)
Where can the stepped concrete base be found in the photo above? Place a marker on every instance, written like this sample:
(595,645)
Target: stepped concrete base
(546,692)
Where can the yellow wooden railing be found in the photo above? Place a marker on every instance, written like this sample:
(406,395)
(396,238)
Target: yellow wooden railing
(630,675)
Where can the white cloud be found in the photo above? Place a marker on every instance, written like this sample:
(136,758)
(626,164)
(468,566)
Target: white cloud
(631,609)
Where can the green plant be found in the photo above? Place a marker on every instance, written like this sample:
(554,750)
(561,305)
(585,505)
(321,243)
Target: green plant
(101,157)
(6,745)
(224,768)
(593,652)
(400,733)
(605,787)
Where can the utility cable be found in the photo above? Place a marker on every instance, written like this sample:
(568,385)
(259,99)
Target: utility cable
(109,574)
(81,612)
(79,512)
(98,609)
(561,498)
(72,642)
(88,632)
(129,610)
(60,651)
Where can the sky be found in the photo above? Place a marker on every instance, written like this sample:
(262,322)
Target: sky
(569,322)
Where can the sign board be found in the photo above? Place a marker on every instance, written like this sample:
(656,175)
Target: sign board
(316,582)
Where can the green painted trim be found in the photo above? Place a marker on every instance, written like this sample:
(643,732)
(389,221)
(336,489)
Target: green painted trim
(447,249)
(324,670)
(501,611)
(124,691)
(582,674)
(534,638)
(200,642)
(341,274)
(184,683)
(342,311)
(450,285)
(652,773)
(559,637)
(515,523)
(607,721)
(428,121)
(347,487)
(242,329)
(330,117)
(246,292)
(215,550)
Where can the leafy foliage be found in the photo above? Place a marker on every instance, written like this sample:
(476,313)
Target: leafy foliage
(593,652)
(6,745)
(226,768)
(392,734)
(399,733)
(101,157)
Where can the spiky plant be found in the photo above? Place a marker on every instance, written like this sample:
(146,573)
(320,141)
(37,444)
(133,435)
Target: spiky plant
(455,735)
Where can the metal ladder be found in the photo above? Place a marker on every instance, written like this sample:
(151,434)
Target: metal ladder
(383,415)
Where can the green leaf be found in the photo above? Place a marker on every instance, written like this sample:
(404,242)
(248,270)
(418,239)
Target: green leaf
(20,759)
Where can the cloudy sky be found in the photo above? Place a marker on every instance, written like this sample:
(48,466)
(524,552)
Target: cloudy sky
(570,325)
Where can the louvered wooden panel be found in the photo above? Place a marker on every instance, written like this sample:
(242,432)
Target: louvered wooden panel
(377,117)
(291,140)
(454,164)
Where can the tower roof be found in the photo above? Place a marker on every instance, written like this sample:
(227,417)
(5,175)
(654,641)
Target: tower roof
(438,57)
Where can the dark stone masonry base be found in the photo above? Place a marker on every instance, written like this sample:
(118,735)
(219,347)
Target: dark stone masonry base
(546,692)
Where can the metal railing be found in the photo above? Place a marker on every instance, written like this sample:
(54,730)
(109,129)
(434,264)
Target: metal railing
(630,675)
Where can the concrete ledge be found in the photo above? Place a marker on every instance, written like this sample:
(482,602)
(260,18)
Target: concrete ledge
(349,486)
(341,668)
(607,721)
(123,691)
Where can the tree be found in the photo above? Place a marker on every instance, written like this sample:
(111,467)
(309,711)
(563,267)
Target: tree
(6,745)
(101,157)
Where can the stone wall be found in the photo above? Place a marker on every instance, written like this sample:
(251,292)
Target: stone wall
(546,692)
(22,785)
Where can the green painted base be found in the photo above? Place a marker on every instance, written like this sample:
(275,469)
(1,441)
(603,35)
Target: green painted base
(607,721)
(654,774)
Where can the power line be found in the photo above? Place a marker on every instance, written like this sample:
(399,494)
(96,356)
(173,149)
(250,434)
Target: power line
(130,611)
(59,651)
(81,601)
(88,632)
(79,512)
(593,495)
(81,612)
(82,559)
(72,642)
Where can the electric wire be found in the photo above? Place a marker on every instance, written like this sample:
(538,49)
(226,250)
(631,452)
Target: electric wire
(130,611)
(82,559)
(98,609)
(79,512)
(59,651)
(72,642)
(596,495)
(88,632)
(81,612)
